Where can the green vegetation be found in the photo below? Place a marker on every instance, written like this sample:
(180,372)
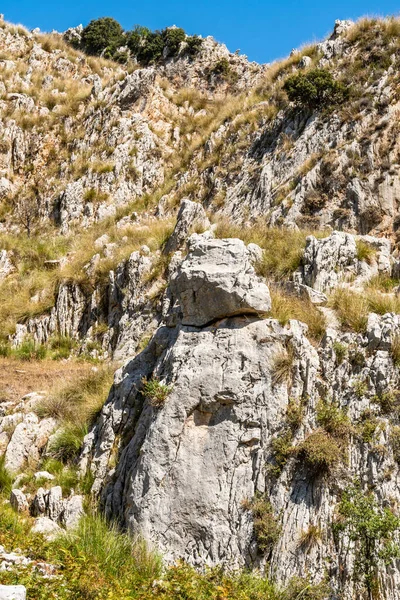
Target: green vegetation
(334,421)
(316,88)
(282,444)
(365,252)
(105,36)
(5,479)
(320,452)
(372,530)
(155,392)
(340,351)
(266,526)
(75,406)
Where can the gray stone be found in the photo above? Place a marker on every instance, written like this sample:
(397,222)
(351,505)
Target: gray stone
(46,527)
(19,501)
(191,215)
(12,592)
(217,280)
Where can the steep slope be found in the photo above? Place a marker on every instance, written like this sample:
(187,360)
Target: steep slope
(235,243)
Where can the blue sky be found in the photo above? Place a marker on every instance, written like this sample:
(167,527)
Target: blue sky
(262,29)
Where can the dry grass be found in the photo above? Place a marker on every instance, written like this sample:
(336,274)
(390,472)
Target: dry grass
(282,365)
(351,308)
(286,307)
(18,378)
(284,248)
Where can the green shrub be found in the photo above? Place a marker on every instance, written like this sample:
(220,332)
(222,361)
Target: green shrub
(315,89)
(28,350)
(101,34)
(395,442)
(365,252)
(320,452)
(194,44)
(372,529)
(173,37)
(334,421)
(367,426)
(67,442)
(395,349)
(61,347)
(266,527)
(155,392)
(340,351)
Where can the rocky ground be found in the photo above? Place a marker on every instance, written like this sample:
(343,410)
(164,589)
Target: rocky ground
(234,258)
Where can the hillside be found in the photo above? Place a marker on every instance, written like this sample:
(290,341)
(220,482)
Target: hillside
(200,317)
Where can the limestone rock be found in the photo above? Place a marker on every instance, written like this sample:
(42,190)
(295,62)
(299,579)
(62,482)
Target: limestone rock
(18,501)
(12,592)
(217,280)
(46,527)
(326,261)
(72,512)
(6,266)
(190,215)
(136,86)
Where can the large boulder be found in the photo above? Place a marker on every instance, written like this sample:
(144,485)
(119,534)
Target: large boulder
(217,280)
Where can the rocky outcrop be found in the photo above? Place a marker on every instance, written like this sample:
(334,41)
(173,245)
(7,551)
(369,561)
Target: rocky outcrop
(50,504)
(217,280)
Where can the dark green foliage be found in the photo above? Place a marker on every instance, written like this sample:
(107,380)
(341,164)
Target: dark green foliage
(148,47)
(101,34)
(223,70)
(371,528)
(173,37)
(315,89)
(194,43)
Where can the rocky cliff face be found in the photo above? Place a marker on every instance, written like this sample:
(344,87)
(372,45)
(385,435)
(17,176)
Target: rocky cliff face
(240,254)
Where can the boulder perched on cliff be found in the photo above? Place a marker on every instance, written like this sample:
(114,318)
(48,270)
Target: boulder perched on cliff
(217,280)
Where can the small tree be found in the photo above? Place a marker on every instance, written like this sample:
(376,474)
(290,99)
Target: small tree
(26,208)
(315,89)
(101,34)
(371,528)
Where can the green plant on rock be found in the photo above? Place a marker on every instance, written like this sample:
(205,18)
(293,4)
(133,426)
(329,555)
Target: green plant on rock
(365,252)
(371,529)
(334,421)
(155,392)
(319,452)
(266,526)
(395,442)
(315,89)
(340,351)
